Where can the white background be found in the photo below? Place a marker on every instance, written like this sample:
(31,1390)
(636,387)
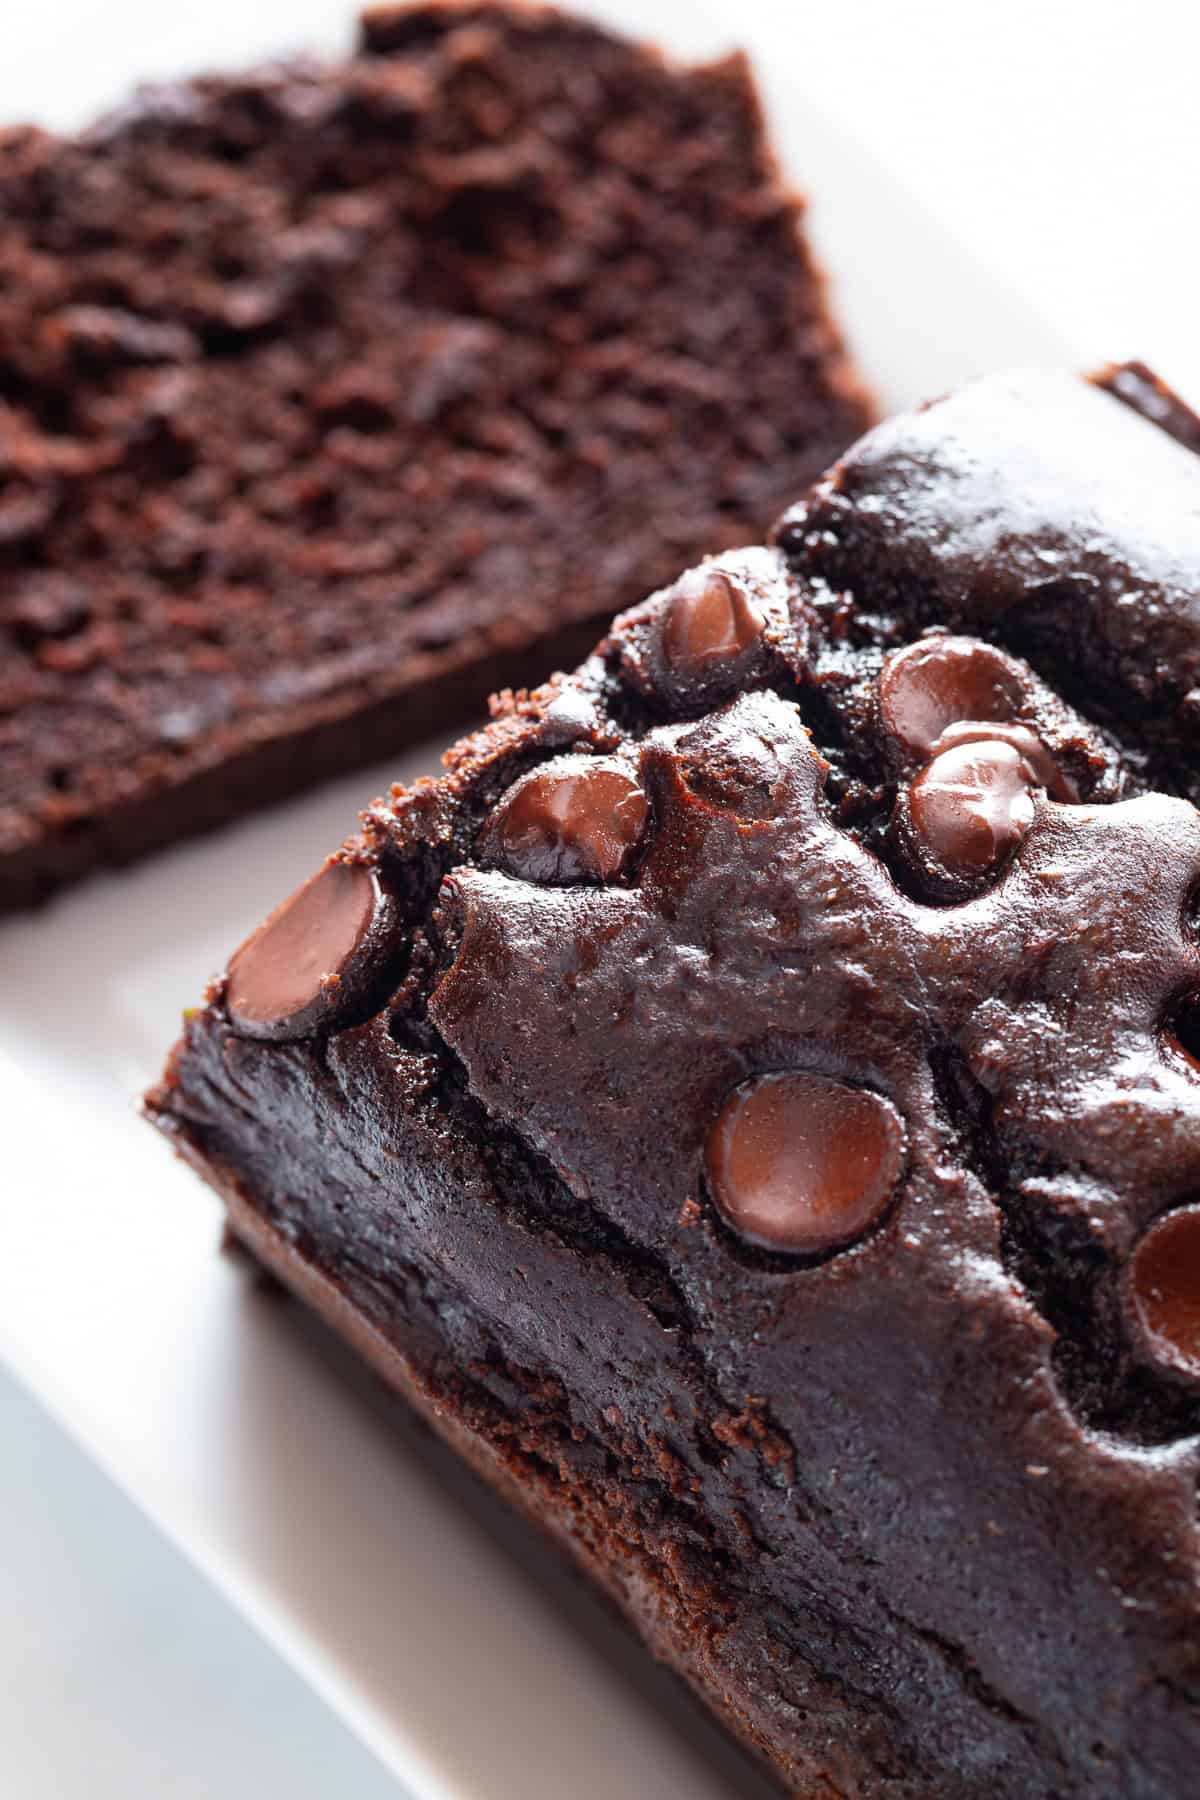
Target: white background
(123,1673)
(1060,143)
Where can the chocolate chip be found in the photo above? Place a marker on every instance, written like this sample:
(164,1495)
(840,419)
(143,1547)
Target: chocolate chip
(578,818)
(710,619)
(970,807)
(316,962)
(802,1164)
(1165,1288)
(939,681)
(1043,767)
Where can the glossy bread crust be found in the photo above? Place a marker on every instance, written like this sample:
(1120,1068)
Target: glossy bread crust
(775,1157)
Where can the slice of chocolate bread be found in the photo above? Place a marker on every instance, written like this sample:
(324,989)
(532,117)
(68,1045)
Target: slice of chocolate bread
(331,398)
(751,1103)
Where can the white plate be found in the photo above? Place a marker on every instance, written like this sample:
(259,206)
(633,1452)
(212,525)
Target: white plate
(457,1650)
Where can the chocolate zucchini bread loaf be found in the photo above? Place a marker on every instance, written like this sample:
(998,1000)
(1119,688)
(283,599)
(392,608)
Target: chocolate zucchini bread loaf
(331,398)
(751,1103)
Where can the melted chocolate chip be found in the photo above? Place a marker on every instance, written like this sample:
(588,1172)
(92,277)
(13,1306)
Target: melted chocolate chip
(1009,507)
(315,963)
(1165,1284)
(1043,768)
(943,692)
(802,1164)
(578,818)
(937,682)
(970,807)
(710,620)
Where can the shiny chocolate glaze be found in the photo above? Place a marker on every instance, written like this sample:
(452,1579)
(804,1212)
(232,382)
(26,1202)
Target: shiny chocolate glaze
(803,1200)
(1050,514)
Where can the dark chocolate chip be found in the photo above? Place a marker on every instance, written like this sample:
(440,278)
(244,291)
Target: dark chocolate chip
(803,1164)
(1043,768)
(970,807)
(1165,1287)
(578,818)
(939,681)
(316,961)
(710,619)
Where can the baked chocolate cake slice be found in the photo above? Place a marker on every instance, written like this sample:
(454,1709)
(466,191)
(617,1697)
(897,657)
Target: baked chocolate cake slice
(333,397)
(751,1104)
